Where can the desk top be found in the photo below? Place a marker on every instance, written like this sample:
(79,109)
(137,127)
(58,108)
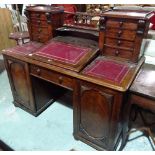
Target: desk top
(144,83)
(108,69)
(112,71)
(60,51)
(125,71)
(66,52)
(24,49)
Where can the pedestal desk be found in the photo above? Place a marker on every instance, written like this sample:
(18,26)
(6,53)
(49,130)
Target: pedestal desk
(99,77)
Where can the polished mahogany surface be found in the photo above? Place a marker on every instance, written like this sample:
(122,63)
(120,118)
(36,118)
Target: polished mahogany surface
(45,8)
(128,13)
(67,53)
(108,69)
(144,83)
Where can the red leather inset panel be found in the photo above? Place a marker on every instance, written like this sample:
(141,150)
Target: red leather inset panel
(107,69)
(67,53)
(25,48)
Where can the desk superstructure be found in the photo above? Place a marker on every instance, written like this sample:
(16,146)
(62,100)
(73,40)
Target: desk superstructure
(99,77)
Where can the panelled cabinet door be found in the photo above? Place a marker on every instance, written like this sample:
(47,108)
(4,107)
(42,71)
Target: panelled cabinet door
(95,114)
(95,117)
(20,83)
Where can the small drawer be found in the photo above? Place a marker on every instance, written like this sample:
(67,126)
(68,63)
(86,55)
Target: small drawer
(119,43)
(121,34)
(117,52)
(38,22)
(41,30)
(37,16)
(40,38)
(54,77)
(121,24)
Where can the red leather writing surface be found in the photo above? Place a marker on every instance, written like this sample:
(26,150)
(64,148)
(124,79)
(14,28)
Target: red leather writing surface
(67,53)
(25,48)
(108,69)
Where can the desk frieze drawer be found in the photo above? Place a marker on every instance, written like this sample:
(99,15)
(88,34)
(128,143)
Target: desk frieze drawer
(52,76)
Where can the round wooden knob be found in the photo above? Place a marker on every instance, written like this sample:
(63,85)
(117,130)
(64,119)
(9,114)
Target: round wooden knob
(60,79)
(38,21)
(117,53)
(119,43)
(38,71)
(121,23)
(119,33)
(39,30)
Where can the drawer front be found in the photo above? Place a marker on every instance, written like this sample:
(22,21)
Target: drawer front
(41,16)
(41,38)
(41,30)
(121,34)
(52,76)
(121,24)
(38,22)
(119,43)
(117,52)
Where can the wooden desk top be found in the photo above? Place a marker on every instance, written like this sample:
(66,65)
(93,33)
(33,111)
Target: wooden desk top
(132,14)
(144,83)
(74,71)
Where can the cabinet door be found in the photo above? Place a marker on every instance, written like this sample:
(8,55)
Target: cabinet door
(18,73)
(96,117)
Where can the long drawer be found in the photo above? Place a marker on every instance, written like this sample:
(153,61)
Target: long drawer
(121,34)
(38,16)
(119,43)
(41,30)
(121,24)
(52,76)
(40,37)
(117,52)
(38,22)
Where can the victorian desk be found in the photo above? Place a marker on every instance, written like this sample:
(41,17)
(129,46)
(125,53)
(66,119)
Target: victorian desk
(98,78)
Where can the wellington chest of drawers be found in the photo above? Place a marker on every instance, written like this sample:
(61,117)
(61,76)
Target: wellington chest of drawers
(42,21)
(123,33)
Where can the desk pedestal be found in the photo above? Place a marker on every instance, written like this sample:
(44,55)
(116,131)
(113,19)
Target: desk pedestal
(97,115)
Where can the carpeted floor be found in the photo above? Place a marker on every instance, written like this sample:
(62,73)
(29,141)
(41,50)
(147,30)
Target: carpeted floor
(4,147)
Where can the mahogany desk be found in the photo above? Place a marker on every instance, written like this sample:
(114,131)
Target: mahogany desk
(34,75)
(99,79)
